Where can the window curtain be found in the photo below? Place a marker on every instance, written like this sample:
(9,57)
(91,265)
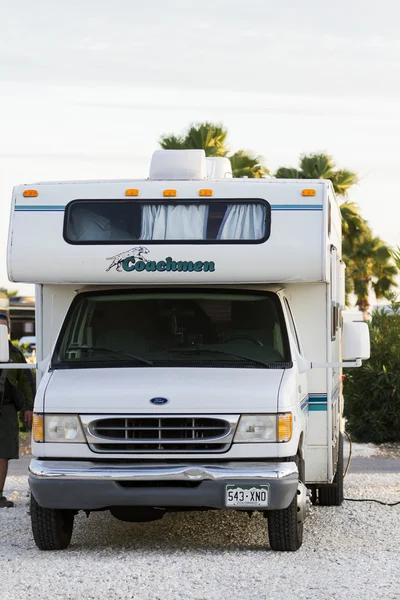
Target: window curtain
(243,222)
(174,222)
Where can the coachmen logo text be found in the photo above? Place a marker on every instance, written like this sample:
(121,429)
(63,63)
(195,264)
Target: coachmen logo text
(134,260)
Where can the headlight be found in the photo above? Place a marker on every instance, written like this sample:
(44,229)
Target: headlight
(62,428)
(256,428)
(264,428)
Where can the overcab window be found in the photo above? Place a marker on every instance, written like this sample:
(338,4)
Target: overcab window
(127,221)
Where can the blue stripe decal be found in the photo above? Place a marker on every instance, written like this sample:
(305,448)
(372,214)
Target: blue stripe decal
(37,208)
(314,403)
(312,207)
(318,403)
(59,208)
(318,398)
(304,403)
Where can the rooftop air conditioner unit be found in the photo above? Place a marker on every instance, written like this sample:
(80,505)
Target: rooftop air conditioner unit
(178,164)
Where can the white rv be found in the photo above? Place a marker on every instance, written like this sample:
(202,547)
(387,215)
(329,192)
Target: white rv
(189,345)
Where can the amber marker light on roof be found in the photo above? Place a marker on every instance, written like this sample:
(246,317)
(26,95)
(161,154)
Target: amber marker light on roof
(132,192)
(308,193)
(30,193)
(205,193)
(169,193)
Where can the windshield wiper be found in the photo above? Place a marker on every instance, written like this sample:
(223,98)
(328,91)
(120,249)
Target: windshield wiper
(101,348)
(198,350)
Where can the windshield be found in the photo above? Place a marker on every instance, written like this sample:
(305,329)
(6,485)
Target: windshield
(196,329)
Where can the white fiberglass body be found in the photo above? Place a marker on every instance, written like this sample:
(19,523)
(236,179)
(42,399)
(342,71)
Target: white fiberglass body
(177,322)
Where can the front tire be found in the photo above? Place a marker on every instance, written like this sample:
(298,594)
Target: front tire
(285,527)
(333,495)
(51,527)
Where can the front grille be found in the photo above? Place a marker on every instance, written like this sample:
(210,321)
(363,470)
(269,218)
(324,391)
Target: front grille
(167,434)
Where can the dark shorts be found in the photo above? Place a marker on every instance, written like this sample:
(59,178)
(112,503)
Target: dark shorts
(9,432)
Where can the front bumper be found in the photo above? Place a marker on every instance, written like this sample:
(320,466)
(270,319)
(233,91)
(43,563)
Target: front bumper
(82,485)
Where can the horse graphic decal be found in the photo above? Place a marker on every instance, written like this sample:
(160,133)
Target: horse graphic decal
(132,255)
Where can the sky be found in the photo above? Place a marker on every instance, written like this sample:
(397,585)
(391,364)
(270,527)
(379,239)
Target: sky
(88,87)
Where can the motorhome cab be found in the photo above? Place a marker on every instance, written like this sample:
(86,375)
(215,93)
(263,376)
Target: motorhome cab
(189,343)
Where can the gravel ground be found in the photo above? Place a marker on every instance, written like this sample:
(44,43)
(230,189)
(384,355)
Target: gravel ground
(373,450)
(350,552)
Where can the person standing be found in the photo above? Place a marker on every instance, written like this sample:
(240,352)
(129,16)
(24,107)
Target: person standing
(17,391)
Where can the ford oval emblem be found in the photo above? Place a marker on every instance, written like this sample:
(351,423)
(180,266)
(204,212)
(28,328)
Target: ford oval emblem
(159,401)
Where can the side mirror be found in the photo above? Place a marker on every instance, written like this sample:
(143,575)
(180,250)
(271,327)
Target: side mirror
(4,347)
(44,364)
(303,364)
(355,340)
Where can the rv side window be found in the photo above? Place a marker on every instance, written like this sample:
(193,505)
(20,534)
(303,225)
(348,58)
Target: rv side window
(292,326)
(132,221)
(329,218)
(335,303)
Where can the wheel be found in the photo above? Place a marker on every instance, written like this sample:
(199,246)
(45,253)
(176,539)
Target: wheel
(51,528)
(285,527)
(332,495)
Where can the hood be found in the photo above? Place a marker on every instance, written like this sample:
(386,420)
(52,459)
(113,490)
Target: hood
(188,390)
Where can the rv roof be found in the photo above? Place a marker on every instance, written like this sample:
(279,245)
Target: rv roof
(233,180)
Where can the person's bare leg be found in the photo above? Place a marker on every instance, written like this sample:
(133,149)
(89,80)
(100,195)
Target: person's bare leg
(3,474)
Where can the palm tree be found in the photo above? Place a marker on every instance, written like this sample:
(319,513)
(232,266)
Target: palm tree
(245,164)
(320,166)
(395,254)
(211,138)
(205,136)
(353,225)
(369,265)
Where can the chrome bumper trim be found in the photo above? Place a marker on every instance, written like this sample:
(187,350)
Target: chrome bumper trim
(84,470)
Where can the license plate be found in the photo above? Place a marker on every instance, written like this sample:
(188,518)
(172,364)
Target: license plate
(246,496)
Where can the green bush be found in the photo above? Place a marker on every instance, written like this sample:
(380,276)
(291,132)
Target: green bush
(372,392)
